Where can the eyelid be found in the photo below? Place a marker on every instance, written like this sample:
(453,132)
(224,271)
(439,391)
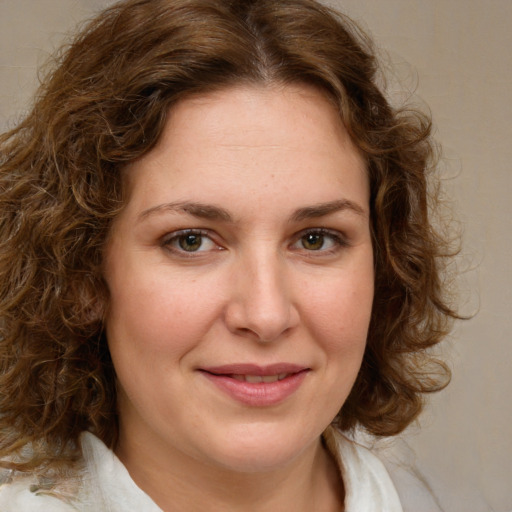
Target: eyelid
(168,238)
(338,240)
(338,237)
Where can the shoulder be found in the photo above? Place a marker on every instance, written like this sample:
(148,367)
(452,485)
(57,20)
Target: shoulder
(99,483)
(19,493)
(368,486)
(385,467)
(108,485)
(405,471)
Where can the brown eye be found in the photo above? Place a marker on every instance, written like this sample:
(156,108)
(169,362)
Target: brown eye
(322,241)
(190,242)
(313,241)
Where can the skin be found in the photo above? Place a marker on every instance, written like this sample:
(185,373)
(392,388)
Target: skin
(257,282)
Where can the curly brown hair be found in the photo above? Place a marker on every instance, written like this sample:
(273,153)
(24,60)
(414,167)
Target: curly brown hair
(104,105)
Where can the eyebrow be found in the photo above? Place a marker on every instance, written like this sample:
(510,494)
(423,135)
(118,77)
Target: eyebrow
(323,209)
(200,210)
(213,212)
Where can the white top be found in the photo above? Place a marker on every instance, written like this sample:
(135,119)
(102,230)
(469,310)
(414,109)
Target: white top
(106,486)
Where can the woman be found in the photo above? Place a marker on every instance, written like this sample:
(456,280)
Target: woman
(216,258)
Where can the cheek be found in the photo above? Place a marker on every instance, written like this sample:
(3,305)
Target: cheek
(338,319)
(340,312)
(152,315)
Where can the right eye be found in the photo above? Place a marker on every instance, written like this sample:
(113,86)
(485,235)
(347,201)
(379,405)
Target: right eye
(189,241)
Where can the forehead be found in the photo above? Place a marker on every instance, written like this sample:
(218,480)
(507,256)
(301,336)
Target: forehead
(258,116)
(256,138)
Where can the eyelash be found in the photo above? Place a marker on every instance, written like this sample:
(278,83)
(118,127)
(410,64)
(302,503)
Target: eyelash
(338,240)
(173,238)
(172,241)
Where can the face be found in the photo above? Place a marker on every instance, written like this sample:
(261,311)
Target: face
(241,279)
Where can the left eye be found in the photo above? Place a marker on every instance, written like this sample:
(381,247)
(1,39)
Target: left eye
(318,240)
(189,241)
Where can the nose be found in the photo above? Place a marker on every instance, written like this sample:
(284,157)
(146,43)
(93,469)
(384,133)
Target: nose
(261,305)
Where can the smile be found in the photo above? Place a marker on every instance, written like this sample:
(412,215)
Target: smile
(253,379)
(257,386)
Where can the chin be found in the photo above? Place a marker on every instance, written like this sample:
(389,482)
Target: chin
(258,448)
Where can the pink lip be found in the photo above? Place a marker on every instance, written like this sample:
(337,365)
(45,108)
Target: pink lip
(259,394)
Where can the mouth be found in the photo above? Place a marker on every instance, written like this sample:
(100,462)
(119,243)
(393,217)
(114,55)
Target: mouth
(257,386)
(254,379)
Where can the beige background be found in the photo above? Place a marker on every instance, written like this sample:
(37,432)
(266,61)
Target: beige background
(458,54)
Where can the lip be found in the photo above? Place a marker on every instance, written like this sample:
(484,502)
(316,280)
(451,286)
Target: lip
(257,394)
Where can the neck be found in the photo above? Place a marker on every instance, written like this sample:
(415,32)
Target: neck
(311,482)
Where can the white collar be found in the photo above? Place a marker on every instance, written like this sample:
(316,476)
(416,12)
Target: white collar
(368,486)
